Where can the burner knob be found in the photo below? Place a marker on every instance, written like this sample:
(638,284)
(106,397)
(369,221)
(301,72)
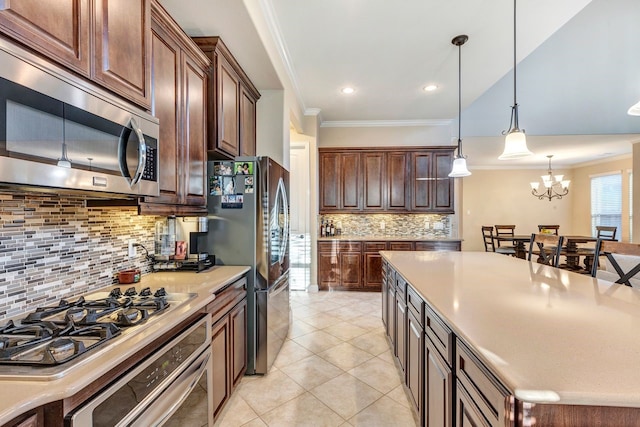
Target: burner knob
(130,292)
(145,292)
(160,293)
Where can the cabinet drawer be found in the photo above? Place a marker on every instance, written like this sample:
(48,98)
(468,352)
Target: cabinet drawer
(437,246)
(374,246)
(490,396)
(226,299)
(440,334)
(336,246)
(401,246)
(415,305)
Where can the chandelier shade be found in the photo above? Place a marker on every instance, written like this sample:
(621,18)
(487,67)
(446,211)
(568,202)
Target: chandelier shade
(553,186)
(459,168)
(515,143)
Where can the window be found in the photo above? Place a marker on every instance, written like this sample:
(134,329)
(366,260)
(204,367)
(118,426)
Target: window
(606,201)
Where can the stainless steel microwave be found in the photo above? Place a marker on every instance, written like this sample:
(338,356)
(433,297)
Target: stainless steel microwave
(58,131)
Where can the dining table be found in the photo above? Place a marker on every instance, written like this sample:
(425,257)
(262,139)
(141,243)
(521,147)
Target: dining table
(519,243)
(573,252)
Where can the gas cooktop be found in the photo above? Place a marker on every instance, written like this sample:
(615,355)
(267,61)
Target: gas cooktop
(46,342)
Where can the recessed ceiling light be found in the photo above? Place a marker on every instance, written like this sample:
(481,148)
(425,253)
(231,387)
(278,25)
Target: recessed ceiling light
(347,90)
(430,88)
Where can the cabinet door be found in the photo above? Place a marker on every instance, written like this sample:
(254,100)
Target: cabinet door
(122,48)
(247,123)
(329,181)
(443,185)
(467,413)
(401,333)
(61,33)
(415,362)
(373,168)
(328,270)
(220,351)
(194,133)
(372,270)
(397,182)
(385,299)
(391,315)
(165,105)
(228,108)
(421,181)
(238,324)
(351,270)
(350,185)
(438,383)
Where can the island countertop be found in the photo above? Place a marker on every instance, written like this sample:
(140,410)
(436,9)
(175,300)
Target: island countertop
(374,238)
(550,335)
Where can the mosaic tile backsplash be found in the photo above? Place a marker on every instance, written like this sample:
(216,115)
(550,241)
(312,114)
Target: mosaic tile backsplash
(53,246)
(400,225)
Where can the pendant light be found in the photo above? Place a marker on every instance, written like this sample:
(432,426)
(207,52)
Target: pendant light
(460,161)
(515,143)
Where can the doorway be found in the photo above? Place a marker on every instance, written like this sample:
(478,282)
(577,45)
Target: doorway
(300,238)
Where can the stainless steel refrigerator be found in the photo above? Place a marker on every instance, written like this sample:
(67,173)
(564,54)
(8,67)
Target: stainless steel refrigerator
(249,225)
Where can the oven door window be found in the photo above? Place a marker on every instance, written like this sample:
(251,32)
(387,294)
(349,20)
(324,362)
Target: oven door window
(39,128)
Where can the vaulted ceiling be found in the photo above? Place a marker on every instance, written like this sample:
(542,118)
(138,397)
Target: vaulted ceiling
(578,66)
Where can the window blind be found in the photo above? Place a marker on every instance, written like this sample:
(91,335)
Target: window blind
(606,201)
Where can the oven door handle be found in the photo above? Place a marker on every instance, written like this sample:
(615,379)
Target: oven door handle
(160,410)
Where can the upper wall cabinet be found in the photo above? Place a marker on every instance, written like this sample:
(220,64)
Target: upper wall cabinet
(386,180)
(106,41)
(179,92)
(122,48)
(61,33)
(231,101)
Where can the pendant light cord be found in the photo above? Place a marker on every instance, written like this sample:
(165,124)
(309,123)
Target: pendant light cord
(515,102)
(459,100)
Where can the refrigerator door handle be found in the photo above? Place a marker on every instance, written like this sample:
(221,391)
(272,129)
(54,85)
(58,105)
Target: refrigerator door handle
(277,288)
(282,193)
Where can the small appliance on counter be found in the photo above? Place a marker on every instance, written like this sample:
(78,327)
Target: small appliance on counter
(172,254)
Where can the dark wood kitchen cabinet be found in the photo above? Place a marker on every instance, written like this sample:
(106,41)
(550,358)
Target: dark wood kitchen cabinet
(122,48)
(432,189)
(108,41)
(400,348)
(372,260)
(61,34)
(228,341)
(395,180)
(178,100)
(340,182)
(231,99)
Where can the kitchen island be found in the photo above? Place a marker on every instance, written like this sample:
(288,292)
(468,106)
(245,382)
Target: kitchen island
(493,340)
(54,395)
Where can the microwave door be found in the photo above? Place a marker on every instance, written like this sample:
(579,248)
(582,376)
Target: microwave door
(132,152)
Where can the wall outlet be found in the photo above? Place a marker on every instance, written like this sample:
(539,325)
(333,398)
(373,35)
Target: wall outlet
(132,248)
(427,225)
(382,225)
(438,226)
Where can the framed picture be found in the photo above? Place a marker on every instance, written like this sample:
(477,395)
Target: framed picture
(244,168)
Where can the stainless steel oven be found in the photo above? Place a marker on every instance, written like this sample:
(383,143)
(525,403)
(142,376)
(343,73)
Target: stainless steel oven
(172,387)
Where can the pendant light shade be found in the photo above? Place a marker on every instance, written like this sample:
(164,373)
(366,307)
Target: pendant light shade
(515,143)
(459,168)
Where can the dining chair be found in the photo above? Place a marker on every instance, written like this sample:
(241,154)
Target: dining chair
(621,262)
(547,247)
(548,229)
(505,230)
(490,243)
(606,232)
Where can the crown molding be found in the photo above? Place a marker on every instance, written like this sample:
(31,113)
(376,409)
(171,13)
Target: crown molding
(383,123)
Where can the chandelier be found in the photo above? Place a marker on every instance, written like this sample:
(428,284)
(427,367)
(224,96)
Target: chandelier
(553,185)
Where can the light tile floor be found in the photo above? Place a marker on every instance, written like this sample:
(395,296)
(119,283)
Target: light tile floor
(335,369)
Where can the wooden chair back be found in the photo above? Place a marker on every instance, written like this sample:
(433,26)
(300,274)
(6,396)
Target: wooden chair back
(623,258)
(547,247)
(505,230)
(548,229)
(606,232)
(487,236)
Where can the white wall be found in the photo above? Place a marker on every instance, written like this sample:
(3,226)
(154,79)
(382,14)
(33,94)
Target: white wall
(272,127)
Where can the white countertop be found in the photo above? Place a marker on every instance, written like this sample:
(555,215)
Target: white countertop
(19,396)
(552,336)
